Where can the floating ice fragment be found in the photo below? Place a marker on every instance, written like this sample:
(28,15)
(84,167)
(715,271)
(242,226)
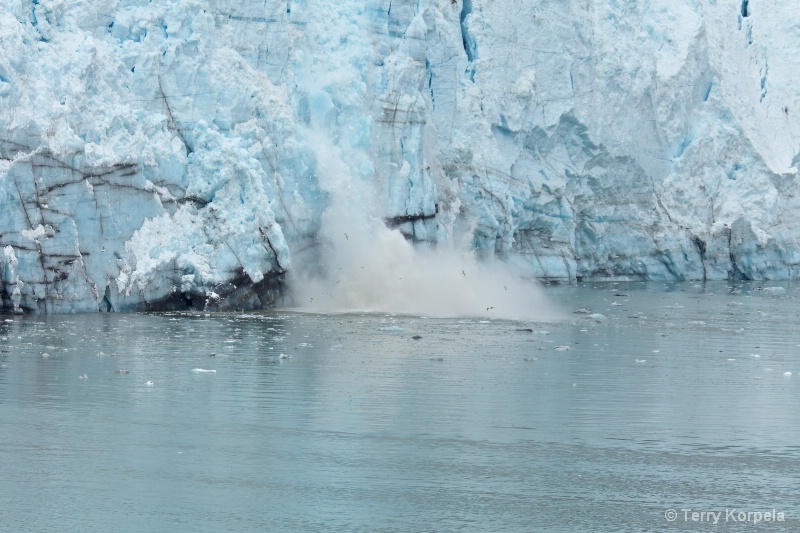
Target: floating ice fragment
(83,377)
(656,351)
(203,371)
(755,356)
(731,359)
(598,317)
(641,361)
(787,374)
(774,290)
(391,328)
(45,355)
(583,311)
(284,356)
(562,348)
(121,371)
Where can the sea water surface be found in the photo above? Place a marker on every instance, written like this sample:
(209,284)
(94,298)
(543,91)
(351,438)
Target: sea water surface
(652,398)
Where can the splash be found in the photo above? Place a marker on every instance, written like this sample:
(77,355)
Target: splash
(386,273)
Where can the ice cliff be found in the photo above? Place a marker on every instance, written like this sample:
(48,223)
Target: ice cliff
(190,153)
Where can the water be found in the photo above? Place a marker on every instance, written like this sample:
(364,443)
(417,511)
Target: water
(479,425)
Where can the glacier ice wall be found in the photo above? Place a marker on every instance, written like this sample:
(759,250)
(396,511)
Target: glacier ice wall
(196,153)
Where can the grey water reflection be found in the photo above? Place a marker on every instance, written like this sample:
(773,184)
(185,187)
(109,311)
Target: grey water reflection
(651,397)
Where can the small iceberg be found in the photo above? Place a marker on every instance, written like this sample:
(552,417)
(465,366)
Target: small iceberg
(562,348)
(391,328)
(203,371)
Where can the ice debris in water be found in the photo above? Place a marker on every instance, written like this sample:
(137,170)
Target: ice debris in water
(391,328)
(774,290)
(203,371)
(149,384)
(641,361)
(787,374)
(284,356)
(562,348)
(83,377)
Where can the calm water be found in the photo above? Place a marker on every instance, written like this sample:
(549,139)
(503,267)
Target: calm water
(675,398)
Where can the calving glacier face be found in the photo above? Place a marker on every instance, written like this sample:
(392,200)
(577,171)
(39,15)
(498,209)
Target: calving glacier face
(204,153)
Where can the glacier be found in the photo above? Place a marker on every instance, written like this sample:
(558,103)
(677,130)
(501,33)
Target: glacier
(206,154)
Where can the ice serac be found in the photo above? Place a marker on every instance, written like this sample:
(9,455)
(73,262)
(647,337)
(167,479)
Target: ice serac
(196,153)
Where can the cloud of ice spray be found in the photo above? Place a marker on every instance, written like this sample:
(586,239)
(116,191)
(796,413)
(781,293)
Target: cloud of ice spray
(386,273)
(369,267)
